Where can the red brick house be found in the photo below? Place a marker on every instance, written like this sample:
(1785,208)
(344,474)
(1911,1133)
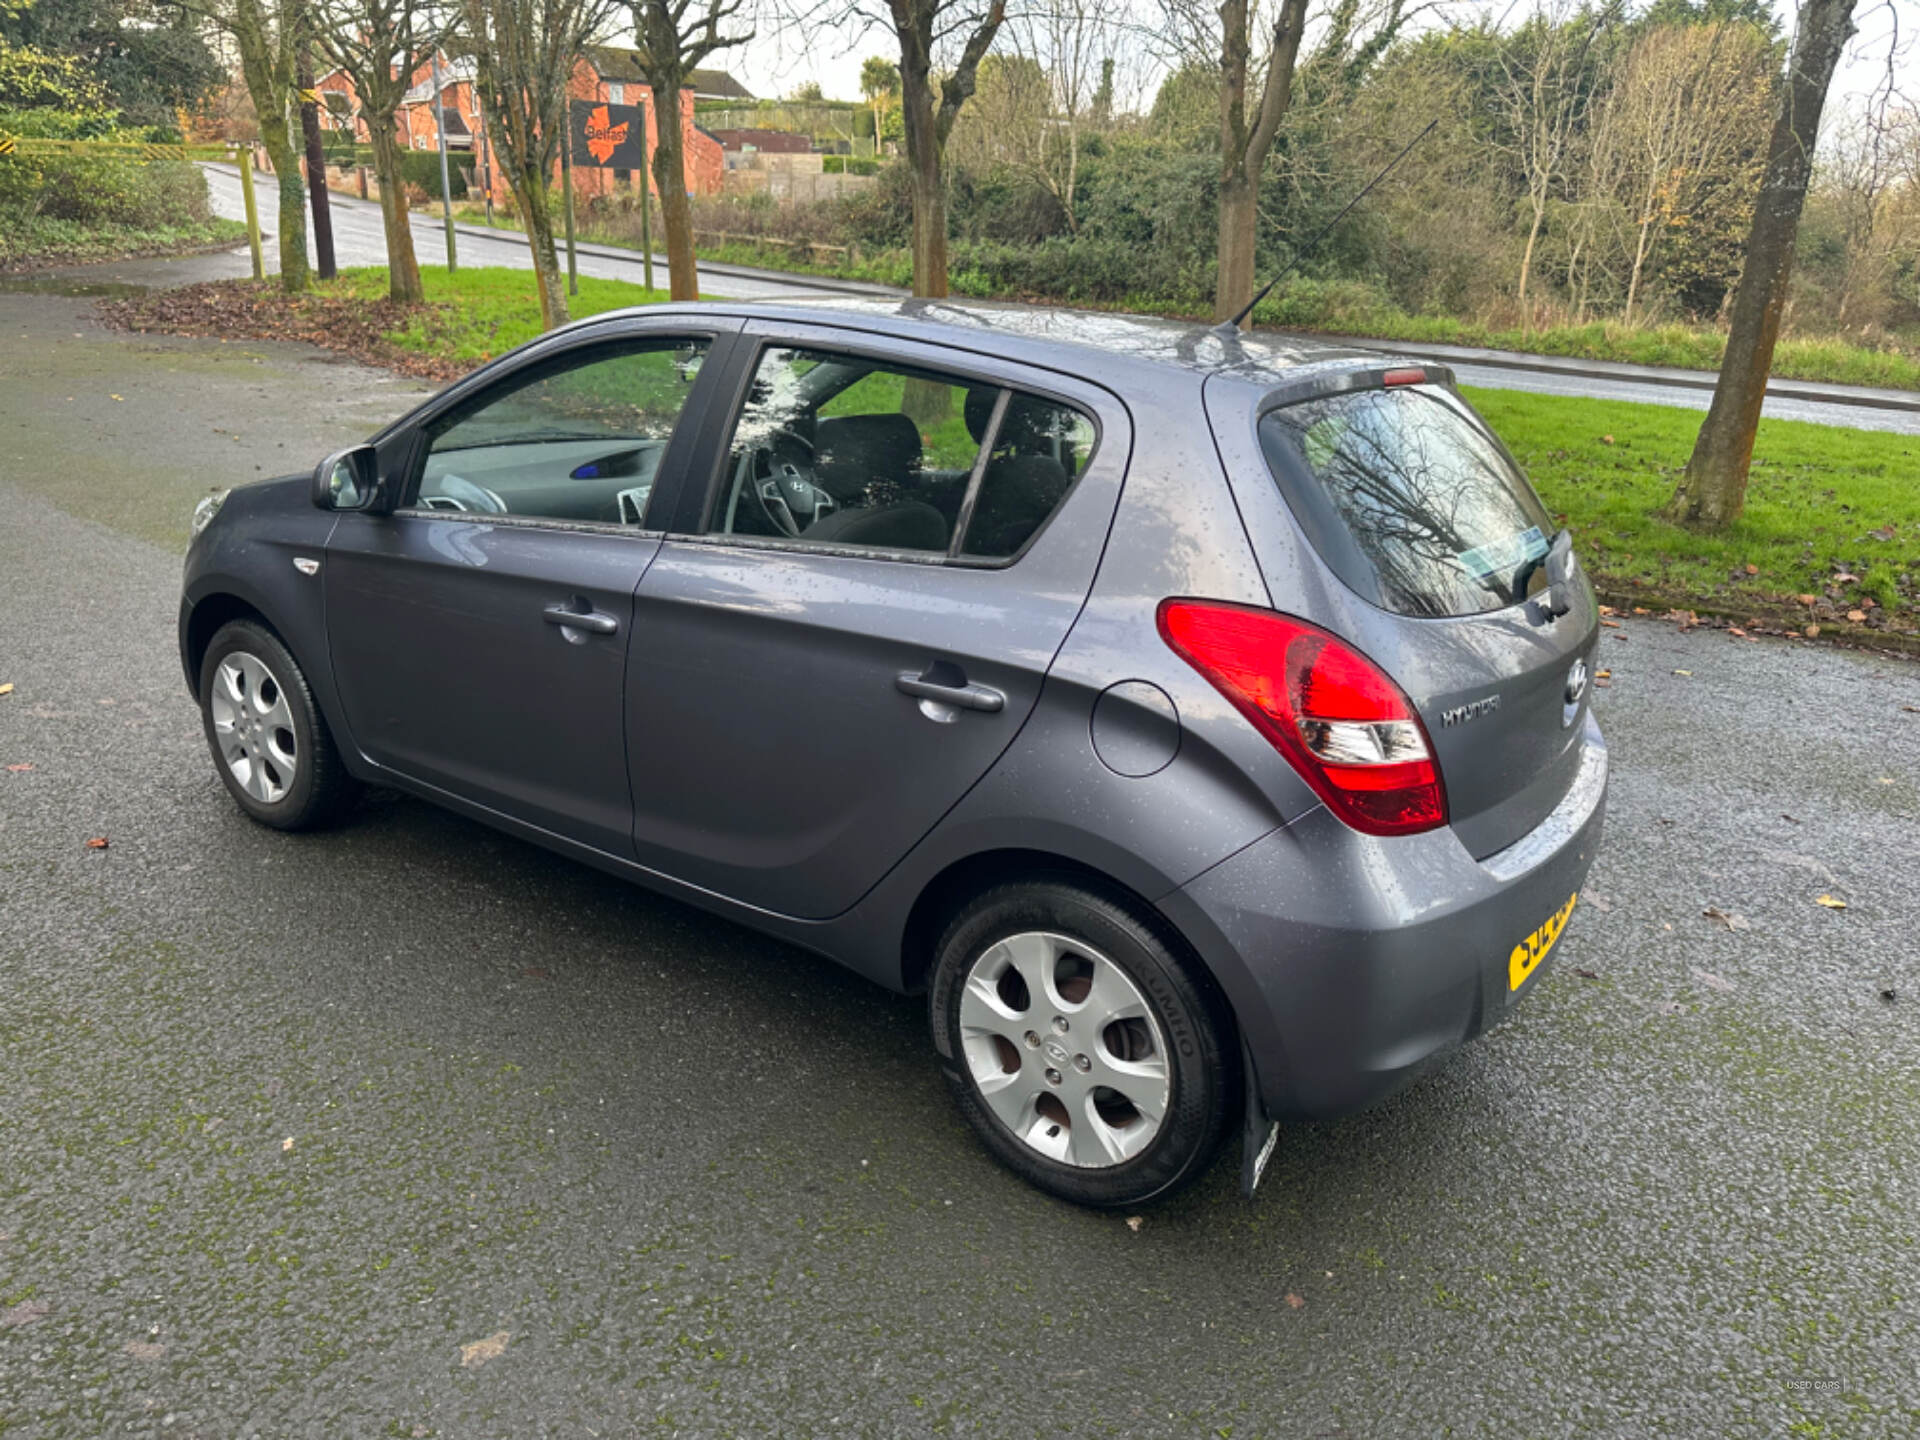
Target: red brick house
(602,73)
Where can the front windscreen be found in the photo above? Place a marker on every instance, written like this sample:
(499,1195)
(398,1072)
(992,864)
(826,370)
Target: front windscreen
(1408,499)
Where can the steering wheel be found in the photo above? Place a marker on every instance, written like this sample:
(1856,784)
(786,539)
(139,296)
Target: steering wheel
(458,493)
(784,489)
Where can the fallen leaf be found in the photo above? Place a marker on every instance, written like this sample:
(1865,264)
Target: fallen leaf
(1911,709)
(1887,995)
(1611,624)
(1788,818)
(1726,917)
(19,769)
(1807,599)
(1713,981)
(1292,1299)
(27,1312)
(144,1349)
(1683,672)
(1812,632)
(534,972)
(98,842)
(286,1145)
(115,397)
(1606,439)
(1886,780)
(473,1356)
(1752,569)
(1856,616)
(1585,974)
(1844,577)
(1640,610)
(1607,610)
(6,689)
(1134,1222)
(1736,630)
(1830,902)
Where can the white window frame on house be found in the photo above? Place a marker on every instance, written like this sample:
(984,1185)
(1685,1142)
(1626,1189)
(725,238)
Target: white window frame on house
(616,93)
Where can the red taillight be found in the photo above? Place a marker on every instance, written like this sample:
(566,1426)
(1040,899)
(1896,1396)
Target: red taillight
(1341,721)
(1408,375)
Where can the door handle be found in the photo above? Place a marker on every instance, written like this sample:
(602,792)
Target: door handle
(962,695)
(581,620)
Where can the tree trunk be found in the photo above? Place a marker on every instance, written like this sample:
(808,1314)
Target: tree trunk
(278,142)
(1526,263)
(1239,217)
(1713,489)
(923,169)
(529,188)
(1641,246)
(403,268)
(670,179)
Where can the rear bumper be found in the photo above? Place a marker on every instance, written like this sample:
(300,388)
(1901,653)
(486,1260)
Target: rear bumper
(1352,961)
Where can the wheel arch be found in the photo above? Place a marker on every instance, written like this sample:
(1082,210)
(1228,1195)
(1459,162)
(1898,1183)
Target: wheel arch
(203,620)
(964,879)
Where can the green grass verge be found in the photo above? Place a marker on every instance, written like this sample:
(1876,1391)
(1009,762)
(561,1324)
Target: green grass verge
(476,314)
(1822,501)
(34,240)
(1338,309)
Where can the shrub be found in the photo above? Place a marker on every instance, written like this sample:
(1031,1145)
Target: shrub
(94,192)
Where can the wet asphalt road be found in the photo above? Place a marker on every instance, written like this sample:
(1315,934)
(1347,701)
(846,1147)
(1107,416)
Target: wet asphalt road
(287,1122)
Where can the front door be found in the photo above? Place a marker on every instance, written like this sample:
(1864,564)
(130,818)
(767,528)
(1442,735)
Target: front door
(896,545)
(480,633)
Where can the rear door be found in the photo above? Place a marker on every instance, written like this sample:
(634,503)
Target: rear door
(849,632)
(1431,547)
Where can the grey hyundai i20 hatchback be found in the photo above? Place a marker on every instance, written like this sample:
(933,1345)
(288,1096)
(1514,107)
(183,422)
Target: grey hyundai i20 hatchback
(1201,722)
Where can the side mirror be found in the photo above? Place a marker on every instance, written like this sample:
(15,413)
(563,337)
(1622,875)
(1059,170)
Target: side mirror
(347,479)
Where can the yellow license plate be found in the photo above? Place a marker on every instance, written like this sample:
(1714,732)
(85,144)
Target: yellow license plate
(1528,954)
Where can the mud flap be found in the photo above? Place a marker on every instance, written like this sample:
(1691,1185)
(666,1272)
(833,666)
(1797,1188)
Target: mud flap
(1259,1134)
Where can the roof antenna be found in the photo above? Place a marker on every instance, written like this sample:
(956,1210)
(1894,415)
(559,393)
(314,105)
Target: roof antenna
(1232,327)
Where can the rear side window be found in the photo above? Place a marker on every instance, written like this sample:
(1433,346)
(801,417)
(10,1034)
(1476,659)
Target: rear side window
(1408,499)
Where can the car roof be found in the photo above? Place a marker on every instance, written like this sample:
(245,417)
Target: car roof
(1099,345)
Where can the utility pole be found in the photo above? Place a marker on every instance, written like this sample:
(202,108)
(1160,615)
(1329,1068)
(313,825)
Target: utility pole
(446,189)
(646,189)
(566,195)
(485,141)
(316,164)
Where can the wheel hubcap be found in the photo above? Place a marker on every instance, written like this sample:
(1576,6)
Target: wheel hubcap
(253,726)
(1064,1049)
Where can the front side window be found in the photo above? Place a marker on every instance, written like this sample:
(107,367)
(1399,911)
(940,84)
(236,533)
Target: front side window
(834,449)
(577,440)
(1409,500)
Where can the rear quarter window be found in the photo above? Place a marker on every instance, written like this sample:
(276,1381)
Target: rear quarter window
(1409,500)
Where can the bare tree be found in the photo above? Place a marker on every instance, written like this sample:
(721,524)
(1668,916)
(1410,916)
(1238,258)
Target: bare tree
(1075,43)
(525,52)
(1254,53)
(1713,489)
(928,33)
(1543,90)
(380,45)
(1678,117)
(675,36)
(1869,180)
(269,34)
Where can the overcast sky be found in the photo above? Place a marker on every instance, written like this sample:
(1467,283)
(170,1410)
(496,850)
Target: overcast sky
(779,61)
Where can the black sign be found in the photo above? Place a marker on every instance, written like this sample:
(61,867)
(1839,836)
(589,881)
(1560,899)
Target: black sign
(607,137)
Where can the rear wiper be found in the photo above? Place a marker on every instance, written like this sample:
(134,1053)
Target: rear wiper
(1561,568)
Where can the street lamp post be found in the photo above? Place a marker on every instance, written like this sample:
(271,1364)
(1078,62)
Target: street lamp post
(446,190)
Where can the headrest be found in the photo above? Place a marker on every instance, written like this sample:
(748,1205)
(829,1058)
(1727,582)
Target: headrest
(851,452)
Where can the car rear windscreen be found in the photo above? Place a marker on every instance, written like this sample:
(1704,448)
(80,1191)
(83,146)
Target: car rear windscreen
(1408,499)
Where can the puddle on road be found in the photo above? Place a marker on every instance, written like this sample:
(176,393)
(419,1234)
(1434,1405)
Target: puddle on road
(69,285)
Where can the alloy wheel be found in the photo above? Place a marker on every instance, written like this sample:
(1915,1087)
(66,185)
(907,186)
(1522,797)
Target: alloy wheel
(253,726)
(1065,1049)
